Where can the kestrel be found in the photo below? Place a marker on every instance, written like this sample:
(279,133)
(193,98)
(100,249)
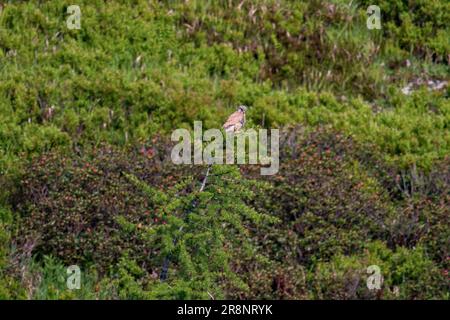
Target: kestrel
(236,120)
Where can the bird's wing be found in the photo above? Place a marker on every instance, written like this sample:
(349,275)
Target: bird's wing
(234,118)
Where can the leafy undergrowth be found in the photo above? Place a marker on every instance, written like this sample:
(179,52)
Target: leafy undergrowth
(143,67)
(82,183)
(308,232)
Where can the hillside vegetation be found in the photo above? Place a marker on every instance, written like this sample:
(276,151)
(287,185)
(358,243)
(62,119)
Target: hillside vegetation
(86,176)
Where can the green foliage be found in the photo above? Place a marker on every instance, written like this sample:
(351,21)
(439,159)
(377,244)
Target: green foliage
(334,199)
(72,207)
(407,274)
(418,27)
(9,286)
(51,282)
(327,200)
(133,70)
(82,184)
(425,216)
(206,230)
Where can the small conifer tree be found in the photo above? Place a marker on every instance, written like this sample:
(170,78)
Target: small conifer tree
(202,232)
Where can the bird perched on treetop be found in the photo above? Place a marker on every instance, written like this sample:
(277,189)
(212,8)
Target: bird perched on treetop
(236,120)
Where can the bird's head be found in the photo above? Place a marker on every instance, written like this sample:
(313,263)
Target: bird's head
(242,109)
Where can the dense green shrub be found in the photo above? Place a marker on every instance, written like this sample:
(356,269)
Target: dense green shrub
(121,79)
(407,274)
(107,209)
(71,206)
(328,196)
(207,230)
(417,26)
(9,286)
(425,215)
(335,197)
(328,202)
(274,278)
(50,277)
(137,68)
(318,44)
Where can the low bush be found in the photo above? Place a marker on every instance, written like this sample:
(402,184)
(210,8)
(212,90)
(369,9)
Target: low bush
(72,205)
(406,274)
(327,200)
